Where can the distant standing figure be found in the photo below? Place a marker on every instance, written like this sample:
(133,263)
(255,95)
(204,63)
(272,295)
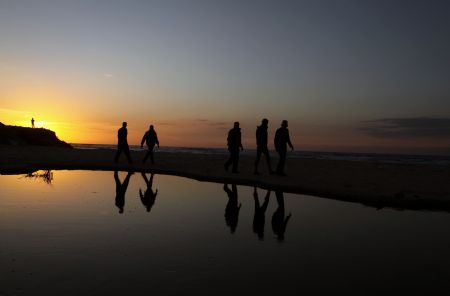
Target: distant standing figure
(121,189)
(122,143)
(281,141)
(32,122)
(149,197)
(151,139)
(261,145)
(234,144)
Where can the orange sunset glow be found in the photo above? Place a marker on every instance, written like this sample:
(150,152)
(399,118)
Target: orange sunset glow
(80,72)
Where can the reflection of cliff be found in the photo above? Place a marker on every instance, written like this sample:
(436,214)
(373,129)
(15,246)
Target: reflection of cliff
(16,135)
(46,176)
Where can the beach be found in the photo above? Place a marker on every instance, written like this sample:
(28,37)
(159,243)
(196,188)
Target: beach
(379,185)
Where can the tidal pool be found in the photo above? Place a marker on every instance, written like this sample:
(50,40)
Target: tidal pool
(101,233)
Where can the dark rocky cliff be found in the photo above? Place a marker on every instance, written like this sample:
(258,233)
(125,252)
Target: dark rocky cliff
(16,135)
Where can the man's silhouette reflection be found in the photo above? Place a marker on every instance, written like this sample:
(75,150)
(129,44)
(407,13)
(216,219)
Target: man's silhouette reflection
(232,209)
(279,222)
(260,213)
(121,189)
(148,198)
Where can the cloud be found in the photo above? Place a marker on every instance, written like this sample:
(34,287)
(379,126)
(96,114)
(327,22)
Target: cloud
(198,122)
(167,123)
(415,127)
(218,124)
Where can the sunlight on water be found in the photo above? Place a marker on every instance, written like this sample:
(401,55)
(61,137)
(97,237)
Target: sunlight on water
(63,233)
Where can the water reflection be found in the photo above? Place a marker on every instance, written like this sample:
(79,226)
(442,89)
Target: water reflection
(259,217)
(232,208)
(121,189)
(57,240)
(279,221)
(148,198)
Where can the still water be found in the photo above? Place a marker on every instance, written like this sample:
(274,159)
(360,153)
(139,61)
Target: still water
(94,233)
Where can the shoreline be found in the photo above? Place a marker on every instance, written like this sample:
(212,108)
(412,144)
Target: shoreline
(379,185)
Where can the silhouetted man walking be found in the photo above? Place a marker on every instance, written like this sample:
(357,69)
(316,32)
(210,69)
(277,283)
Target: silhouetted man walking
(234,144)
(151,139)
(261,145)
(281,141)
(122,143)
(32,122)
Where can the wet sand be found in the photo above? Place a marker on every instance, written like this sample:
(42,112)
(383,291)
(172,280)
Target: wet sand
(379,185)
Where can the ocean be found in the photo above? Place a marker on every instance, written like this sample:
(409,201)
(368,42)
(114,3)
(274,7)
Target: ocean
(440,160)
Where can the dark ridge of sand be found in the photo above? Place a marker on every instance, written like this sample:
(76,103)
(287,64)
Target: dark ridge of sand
(420,187)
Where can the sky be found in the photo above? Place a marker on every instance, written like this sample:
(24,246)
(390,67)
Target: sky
(361,76)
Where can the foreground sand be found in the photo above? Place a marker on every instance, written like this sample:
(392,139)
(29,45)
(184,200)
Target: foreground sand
(373,184)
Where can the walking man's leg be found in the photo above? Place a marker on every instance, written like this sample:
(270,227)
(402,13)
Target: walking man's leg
(151,156)
(151,151)
(281,162)
(229,161)
(235,160)
(127,153)
(269,164)
(258,157)
(119,150)
(146,156)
